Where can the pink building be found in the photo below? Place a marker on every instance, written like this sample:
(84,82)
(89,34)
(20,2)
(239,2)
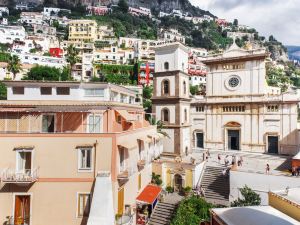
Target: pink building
(66,146)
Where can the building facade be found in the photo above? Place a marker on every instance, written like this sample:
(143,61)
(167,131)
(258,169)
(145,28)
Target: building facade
(240,111)
(85,130)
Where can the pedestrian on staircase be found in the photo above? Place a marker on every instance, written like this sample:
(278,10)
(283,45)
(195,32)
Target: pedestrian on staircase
(226,161)
(219,158)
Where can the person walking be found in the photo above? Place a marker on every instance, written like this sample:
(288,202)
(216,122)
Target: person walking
(219,158)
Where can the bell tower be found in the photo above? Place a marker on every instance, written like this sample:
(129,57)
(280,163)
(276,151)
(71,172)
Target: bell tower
(171,97)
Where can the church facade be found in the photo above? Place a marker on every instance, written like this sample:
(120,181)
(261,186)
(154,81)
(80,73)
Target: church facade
(240,111)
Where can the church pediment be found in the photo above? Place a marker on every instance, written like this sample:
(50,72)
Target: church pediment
(233,124)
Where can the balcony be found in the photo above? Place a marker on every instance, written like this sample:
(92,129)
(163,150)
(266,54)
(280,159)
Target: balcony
(11,176)
(141,164)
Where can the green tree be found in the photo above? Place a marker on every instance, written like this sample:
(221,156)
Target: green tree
(14,65)
(3,91)
(72,57)
(47,73)
(159,126)
(192,211)
(156,179)
(250,198)
(194,89)
(123,6)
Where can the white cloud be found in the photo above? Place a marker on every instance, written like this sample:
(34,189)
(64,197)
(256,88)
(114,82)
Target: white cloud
(277,17)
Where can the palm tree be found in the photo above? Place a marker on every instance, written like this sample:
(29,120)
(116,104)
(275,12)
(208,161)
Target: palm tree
(14,65)
(159,124)
(72,57)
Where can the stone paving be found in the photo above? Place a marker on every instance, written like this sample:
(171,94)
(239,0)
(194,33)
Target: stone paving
(252,162)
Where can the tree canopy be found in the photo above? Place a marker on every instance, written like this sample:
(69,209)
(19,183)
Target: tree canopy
(192,211)
(14,65)
(48,74)
(250,198)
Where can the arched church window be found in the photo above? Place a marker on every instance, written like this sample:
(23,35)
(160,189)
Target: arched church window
(165,87)
(166,66)
(185,115)
(165,115)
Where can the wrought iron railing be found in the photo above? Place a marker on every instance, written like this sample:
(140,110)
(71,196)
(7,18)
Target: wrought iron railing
(9,175)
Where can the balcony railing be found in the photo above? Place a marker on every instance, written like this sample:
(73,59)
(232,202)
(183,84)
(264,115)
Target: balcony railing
(25,176)
(125,173)
(10,220)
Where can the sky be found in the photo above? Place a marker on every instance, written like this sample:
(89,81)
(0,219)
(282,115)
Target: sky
(278,17)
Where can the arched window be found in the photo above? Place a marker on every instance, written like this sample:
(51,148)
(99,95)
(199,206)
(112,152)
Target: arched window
(165,115)
(185,115)
(166,66)
(184,88)
(165,87)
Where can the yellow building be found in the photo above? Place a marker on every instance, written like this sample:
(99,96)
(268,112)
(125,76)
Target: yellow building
(287,201)
(88,31)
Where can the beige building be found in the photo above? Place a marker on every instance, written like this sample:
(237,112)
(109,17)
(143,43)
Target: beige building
(63,143)
(240,111)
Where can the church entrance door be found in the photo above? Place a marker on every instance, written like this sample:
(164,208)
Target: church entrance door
(233,139)
(199,140)
(273,144)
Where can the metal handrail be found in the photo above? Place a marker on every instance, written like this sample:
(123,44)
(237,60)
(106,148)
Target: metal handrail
(26,175)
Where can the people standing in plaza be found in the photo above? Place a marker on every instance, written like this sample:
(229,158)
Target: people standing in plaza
(219,158)
(268,169)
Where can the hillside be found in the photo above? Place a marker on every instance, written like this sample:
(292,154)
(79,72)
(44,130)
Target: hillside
(168,5)
(294,52)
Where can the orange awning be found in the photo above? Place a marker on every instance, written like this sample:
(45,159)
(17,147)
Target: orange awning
(149,194)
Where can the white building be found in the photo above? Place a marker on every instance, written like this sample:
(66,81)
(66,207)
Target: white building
(4,10)
(239,112)
(49,11)
(114,55)
(72,91)
(31,18)
(44,29)
(141,11)
(8,34)
(33,59)
(172,35)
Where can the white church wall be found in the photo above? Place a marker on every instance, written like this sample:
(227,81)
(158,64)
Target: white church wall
(168,143)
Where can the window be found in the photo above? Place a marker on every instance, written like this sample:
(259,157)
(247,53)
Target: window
(122,159)
(63,91)
(272,108)
(24,160)
(166,87)
(85,159)
(46,90)
(48,123)
(165,115)
(184,87)
(199,108)
(234,108)
(94,92)
(166,66)
(94,123)
(233,82)
(83,207)
(18,90)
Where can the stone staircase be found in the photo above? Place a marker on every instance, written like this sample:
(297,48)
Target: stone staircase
(162,214)
(216,186)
